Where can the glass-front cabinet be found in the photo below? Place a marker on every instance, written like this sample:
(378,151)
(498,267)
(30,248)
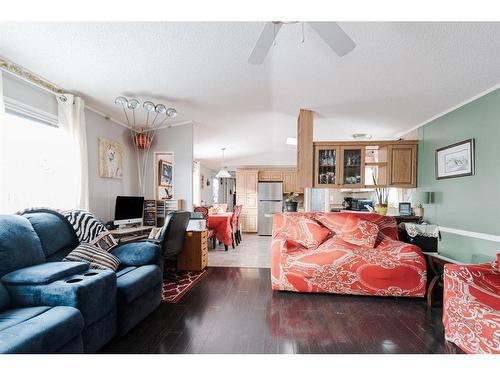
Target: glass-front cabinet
(326,173)
(352,166)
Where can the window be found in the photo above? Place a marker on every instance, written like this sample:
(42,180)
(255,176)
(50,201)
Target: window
(35,165)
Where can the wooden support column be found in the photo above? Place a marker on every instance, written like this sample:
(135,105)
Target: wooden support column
(305,148)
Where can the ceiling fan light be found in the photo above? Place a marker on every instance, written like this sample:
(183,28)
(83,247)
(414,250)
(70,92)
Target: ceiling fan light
(148,106)
(160,108)
(133,104)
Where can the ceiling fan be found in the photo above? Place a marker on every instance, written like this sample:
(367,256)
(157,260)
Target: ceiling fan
(330,32)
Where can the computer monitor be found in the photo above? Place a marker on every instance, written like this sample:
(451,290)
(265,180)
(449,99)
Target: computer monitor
(128,210)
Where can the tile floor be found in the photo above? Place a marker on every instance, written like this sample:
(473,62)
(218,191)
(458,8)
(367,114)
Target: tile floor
(254,251)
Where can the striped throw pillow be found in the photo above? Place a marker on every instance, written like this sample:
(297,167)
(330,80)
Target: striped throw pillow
(94,256)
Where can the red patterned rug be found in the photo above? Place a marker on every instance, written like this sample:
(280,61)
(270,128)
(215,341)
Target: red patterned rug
(172,292)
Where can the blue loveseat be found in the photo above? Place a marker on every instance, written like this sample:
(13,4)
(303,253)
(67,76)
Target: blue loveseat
(51,306)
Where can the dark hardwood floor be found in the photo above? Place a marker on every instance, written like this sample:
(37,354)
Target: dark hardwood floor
(234,310)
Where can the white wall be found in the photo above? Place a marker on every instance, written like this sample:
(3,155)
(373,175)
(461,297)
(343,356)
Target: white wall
(102,190)
(179,140)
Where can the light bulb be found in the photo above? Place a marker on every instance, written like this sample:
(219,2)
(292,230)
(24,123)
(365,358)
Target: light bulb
(160,108)
(133,103)
(171,112)
(121,101)
(148,106)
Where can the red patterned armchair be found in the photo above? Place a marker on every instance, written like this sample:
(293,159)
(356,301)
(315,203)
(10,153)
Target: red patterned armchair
(344,253)
(471,307)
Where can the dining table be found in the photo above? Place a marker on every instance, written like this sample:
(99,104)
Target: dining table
(221,224)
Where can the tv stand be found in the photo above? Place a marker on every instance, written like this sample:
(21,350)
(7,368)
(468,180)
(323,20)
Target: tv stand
(129,234)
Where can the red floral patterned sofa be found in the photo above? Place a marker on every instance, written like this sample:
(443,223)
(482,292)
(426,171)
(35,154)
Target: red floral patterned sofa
(471,307)
(344,253)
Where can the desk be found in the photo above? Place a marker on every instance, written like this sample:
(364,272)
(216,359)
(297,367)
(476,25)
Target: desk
(221,223)
(436,264)
(131,233)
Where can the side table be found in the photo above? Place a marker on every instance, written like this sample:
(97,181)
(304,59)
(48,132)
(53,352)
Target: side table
(436,264)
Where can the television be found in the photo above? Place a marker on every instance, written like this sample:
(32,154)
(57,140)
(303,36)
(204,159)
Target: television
(128,210)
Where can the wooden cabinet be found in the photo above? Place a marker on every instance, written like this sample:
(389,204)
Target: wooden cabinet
(353,166)
(361,164)
(194,255)
(403,165)
(246,195)
(270,175)
(326,166)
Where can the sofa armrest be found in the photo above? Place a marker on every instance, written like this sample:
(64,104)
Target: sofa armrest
(44,273)
(93,292)
(138,253)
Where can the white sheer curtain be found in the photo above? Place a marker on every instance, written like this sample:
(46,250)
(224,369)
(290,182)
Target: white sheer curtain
(72,122)
(2,177)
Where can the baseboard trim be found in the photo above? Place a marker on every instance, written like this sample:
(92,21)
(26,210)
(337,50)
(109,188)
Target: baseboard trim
(466,233)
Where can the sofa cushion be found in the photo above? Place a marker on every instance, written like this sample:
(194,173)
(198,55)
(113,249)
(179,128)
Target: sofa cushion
(305,232)
(135,282)
(359,232)
(87,226)
(19,244)
(54,231)
(38,329)
(137,253)
(94,256)
(45,273)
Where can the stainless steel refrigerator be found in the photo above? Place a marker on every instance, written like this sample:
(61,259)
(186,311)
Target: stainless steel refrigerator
(270,196)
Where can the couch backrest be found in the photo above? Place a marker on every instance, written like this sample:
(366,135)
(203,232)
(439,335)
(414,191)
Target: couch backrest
(55,232)
(19,244)
(386,224)
(4,297)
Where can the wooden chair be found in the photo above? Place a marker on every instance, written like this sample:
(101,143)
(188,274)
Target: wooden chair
(235,232)
(211,232)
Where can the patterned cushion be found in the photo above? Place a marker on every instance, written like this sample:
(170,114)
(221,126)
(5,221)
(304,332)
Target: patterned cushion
(105,241)
(359,232)
(86,225)
(307,233)
(97,258)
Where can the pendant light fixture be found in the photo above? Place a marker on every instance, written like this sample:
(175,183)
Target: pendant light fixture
(223,173)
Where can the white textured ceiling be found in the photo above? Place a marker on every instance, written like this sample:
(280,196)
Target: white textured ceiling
(398,76)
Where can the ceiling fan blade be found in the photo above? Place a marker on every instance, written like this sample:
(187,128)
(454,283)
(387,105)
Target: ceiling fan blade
(334,36)
(264,43)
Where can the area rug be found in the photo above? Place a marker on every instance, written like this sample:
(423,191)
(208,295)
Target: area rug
(172,292)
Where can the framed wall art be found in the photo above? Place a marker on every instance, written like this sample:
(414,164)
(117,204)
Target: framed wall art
(164,171)
(456,160)
(110,159)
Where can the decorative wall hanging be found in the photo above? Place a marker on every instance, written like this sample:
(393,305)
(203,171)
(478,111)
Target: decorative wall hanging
(456,160)
(143,132)
(110,159)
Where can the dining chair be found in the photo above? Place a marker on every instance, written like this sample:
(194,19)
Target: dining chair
(234,225)
(211,232)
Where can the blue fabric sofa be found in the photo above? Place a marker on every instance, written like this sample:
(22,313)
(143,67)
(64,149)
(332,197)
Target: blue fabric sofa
(104,302)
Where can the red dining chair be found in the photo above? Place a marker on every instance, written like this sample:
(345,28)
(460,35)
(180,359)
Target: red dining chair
(211,232)
(235,224)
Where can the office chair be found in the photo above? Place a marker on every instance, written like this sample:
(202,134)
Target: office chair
(172,240)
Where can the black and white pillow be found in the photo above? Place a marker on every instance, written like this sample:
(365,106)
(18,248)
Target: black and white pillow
(96,257)
(86,225)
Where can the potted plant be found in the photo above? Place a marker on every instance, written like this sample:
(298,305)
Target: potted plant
(381,198)
(291,202)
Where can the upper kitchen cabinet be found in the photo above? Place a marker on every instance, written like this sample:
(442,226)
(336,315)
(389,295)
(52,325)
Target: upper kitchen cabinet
(326,166)
(403,165)
(365,164)
(352,171)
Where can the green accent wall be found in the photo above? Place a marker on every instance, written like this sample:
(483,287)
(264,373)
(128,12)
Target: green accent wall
(469,203)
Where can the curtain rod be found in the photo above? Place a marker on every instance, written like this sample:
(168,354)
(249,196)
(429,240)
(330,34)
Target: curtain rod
(45,85)
(30,77)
